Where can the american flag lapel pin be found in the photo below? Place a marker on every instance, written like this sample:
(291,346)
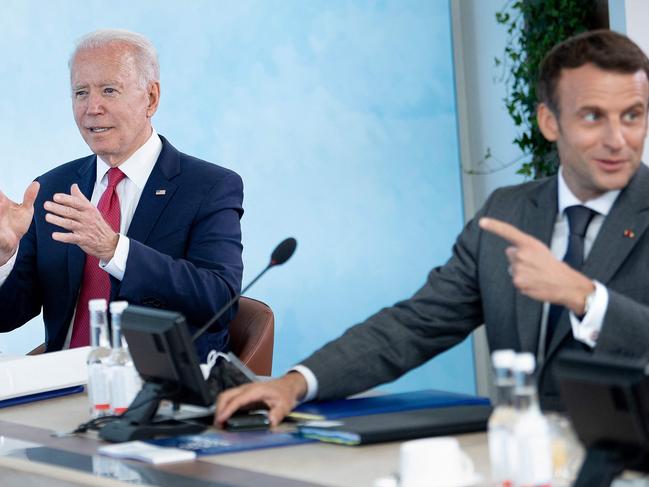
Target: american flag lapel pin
(160,192)
(629,233)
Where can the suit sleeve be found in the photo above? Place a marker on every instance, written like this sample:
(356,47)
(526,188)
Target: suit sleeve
(625,331)
(399,338)
(209,273)
(20,294)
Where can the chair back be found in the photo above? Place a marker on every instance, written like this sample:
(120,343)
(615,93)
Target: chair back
(252,334)
(38,350)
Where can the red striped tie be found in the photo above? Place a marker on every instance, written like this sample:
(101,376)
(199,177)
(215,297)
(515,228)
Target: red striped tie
(96,282)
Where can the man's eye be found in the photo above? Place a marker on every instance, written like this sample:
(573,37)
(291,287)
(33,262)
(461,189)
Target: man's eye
(631,116)
(591,117)
(80,93)
(110,91)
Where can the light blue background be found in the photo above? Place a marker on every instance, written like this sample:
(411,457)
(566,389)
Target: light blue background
(339,116)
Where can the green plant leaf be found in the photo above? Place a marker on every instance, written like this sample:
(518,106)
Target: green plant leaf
(533,27)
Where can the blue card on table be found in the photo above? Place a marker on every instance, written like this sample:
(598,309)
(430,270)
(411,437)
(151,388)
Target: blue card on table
(229,442)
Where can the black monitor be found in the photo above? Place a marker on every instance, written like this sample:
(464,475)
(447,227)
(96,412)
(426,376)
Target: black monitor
(163,353)
(607,399)
(165,357)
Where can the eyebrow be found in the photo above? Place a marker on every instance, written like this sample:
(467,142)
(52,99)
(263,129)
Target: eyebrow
(595,108)
(589,108)
(101,85)
(636,105)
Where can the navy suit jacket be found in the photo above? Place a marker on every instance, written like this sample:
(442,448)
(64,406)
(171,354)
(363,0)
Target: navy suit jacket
(184,255)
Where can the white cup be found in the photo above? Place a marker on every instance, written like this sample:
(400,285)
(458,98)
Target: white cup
(434,462)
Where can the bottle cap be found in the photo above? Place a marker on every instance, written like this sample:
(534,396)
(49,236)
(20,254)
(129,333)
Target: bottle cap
(97,305)
(503,359)
(118,307)
(524,362)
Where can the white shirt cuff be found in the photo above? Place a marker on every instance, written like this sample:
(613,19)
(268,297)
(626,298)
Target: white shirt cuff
(8,266)
(587,329)
(311,382)
(116,266)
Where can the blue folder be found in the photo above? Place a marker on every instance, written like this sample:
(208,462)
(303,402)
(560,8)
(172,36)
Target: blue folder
(229,442)
(15,401)
(388,403)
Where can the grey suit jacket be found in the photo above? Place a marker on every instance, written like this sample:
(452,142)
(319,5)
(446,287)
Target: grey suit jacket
(473,288)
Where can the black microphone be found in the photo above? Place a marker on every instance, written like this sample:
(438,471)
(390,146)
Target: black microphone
(281,254)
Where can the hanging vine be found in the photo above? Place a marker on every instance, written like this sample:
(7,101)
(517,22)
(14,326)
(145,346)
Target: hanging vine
(533,28)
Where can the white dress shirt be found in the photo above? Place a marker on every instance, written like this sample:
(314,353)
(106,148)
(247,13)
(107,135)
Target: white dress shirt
(585,330)
(137,169)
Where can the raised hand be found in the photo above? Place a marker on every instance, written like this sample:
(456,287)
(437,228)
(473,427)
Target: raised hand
(15,220)
(86,227)
(536,272)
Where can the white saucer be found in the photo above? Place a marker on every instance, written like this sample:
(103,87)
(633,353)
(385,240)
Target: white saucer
(391,481)
(473,480)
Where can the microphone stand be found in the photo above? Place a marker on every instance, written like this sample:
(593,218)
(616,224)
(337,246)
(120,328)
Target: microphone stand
(227,305)
(167,381)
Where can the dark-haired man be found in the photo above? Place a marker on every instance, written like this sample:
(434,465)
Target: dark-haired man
(557,263)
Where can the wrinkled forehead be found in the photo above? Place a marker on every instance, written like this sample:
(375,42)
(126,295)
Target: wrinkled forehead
(114,60)
(593,87)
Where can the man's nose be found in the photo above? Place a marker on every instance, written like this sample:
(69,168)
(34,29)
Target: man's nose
(95,104)
(614,136)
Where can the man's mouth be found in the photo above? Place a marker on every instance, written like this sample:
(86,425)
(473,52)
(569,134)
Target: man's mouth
(611,164)
(611,161)
(98,130)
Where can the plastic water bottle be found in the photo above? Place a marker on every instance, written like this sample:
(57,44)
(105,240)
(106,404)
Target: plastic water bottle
(125,381)
(532,453)
(500,428)
(98,374)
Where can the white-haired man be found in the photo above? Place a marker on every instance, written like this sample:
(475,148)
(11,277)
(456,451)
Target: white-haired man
(137,220)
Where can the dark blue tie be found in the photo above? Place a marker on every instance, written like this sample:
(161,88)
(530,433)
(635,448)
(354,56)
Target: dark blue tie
(578,219)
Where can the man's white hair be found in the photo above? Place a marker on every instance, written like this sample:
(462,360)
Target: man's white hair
(145,55)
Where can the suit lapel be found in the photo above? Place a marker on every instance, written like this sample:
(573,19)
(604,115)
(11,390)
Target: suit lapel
(613,244)
(85,178)
(539,214)
(156,194)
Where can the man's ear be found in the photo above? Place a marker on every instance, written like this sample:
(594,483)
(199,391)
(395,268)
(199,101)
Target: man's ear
(154,98)
(548,122)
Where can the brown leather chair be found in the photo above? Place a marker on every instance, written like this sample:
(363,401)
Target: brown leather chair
(252,333)
(38,350)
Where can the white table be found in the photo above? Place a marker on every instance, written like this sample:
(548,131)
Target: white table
(301,465)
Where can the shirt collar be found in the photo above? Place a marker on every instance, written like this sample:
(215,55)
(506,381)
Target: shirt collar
(138,167)
(602,204)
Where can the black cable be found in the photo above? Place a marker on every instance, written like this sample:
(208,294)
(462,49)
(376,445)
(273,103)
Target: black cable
(94,424)
(97,423)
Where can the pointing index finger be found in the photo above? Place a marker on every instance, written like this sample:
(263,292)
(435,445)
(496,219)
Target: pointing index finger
(504,230)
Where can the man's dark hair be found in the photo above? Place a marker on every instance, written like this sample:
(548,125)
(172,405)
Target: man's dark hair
(604,48)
